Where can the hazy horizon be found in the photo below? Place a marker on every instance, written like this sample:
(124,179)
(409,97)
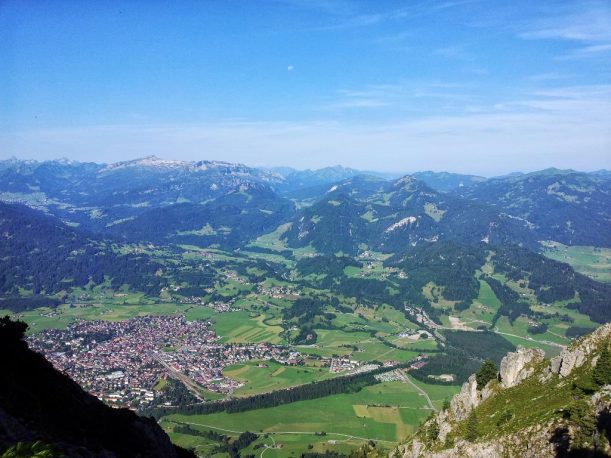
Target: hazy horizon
(389,172)
(464,86)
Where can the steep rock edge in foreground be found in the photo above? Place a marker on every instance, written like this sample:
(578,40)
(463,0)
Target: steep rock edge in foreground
(534,408)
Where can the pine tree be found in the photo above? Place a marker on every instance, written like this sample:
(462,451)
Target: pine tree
(446,404)
(602,370)
(432,432)
(486,373)
(582,417)
(471,433)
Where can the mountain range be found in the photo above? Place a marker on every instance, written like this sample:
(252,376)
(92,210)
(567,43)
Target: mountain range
(77,212)
(186,198)
(460,257)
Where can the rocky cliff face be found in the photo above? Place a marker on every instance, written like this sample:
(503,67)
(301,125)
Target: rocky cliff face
(538,446)
(519,365)
(515,367)
(575,356)
(521,374)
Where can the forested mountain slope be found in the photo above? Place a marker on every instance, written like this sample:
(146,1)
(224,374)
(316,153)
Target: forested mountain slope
(42,255)
(445,182)
(395,216)
(566,206)
(229,221)
(563,206)
(99,196)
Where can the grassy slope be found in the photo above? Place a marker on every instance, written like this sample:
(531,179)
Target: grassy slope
(531,403)
(591,261)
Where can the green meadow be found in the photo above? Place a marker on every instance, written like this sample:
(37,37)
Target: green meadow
(264,376)
(386,412)
(246,327)
(591,261)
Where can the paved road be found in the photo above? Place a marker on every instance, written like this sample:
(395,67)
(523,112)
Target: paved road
(186,381)
(420,390)
(530,339)
(349,436)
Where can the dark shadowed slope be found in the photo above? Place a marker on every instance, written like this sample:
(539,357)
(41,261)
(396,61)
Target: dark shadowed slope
(563,205)
(39,403)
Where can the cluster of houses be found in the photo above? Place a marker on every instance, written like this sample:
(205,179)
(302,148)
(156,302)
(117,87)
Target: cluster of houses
(278,292)
(121,362)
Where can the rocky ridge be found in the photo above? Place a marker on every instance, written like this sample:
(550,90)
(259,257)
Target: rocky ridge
(548,439)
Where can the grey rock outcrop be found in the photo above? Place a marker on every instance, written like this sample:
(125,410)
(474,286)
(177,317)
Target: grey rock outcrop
(518,365)
(575,356)
(564,364)
(466,400)
(515,367)
(537,440)
(533,442)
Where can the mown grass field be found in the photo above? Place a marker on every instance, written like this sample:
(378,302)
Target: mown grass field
(385,412)
(361,346)
(482,308)
(246,327)
(60,317)
(272,376)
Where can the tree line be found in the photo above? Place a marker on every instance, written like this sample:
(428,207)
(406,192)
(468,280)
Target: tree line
(346,384)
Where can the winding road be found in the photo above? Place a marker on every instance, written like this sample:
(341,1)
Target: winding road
(406,378)
(348,436)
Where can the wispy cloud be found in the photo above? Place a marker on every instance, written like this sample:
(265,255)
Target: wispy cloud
(549,76)
(587,52)
(565,127)
(347,15)
(360,20)
(587,24)
(457,52)
(399,94)
(323,6)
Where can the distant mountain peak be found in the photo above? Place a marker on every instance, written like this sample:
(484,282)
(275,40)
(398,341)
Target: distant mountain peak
(147,161)
(407,182)
(552,171)
(66,161)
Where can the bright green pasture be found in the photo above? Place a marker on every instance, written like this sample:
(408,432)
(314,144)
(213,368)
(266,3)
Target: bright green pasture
(242,326)
(437,393)
(592,261)
(362,346)
(378,351)
(273,376)
(387,412)
(246,327)
(60,317)
(482,308)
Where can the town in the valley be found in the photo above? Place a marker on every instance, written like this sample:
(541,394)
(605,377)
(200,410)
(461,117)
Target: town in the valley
(124,362)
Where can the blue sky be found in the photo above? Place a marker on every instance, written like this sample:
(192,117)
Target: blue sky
(461,85)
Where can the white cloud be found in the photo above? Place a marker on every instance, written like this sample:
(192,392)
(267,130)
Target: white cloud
(402,94)
(565,127)
(587,24)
